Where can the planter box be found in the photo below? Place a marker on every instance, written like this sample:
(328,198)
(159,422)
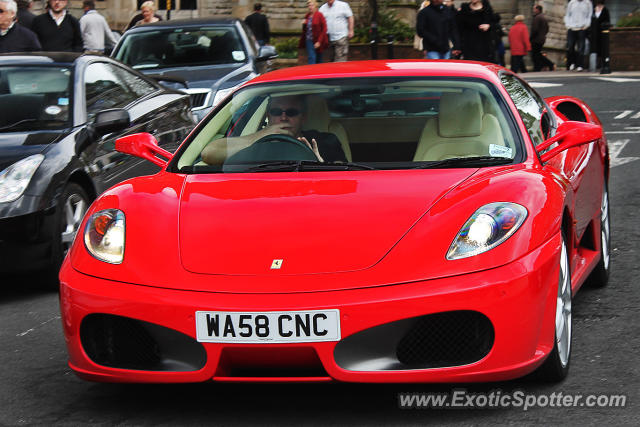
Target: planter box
(623,49)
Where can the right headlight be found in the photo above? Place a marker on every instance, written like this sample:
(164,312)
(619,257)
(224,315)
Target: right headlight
(104,235)
(15,179)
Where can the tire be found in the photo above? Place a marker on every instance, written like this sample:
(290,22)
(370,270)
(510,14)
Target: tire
(72,206)
(556,367)
(599,277)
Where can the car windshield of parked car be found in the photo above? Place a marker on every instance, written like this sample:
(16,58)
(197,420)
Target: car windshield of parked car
(34,98)
(180,47)
(355,124)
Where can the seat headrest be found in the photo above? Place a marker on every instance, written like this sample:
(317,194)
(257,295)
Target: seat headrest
(317,114)
(460,114)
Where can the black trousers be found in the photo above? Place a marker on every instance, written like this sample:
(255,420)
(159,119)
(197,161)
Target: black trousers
(539,60)
(517,64)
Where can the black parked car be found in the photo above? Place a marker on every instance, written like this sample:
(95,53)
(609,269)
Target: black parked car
(211,57)
(60,114)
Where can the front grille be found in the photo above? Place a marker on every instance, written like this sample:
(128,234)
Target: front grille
(199,97)
(125,343)
(446,339)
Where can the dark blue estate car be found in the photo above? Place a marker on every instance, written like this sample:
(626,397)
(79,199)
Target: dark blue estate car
(210,56)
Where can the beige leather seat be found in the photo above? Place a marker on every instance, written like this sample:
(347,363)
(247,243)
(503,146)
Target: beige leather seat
(460,130)
(318,119)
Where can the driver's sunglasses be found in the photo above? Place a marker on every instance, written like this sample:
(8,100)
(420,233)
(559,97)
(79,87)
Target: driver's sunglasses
(290,112)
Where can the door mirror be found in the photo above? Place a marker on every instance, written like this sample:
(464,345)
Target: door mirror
(266,52)
(112,120)
(145,146)
(570,134)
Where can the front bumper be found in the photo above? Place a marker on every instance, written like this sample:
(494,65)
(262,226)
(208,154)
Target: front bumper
(518,300)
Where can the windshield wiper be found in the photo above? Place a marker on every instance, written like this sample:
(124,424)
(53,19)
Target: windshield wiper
(476,161)
(23,121)
(304,165)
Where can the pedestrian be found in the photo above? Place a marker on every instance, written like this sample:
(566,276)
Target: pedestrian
(339,19)
(96,34)
(147,14)
(519,41)
(577,20)
(538,36)
(600,21)
(57,29)
(436,24)
(13,36)
(314,36)
(498,33)
(417,40)
(259,24)
(25,17)
(475,20)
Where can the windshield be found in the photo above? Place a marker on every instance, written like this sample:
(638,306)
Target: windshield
(180,47)
(34,98)
(355,124)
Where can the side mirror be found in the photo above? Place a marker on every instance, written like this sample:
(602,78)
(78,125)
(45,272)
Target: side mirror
(145,146)
(112,120)
(266,52)
(570,134)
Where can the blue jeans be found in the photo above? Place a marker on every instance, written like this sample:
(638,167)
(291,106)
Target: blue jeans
(312,55)
(434,54)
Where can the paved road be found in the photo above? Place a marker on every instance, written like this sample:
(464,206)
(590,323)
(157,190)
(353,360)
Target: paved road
(37,388)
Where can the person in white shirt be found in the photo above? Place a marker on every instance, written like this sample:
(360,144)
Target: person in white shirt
(339,19)
(577,19)
(96,34)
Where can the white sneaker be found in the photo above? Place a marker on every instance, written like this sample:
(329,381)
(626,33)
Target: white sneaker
(579,69)
(572,67)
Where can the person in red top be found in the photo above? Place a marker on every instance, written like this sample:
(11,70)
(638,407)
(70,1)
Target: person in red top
(314,33)
(519,41)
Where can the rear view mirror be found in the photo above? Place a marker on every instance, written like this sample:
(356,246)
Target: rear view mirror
(570,134)
(112,120)
(145,146)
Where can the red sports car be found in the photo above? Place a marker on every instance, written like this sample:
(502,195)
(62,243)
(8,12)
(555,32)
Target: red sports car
(379,221)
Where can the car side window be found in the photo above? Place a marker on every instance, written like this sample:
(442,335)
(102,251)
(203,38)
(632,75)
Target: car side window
(109,86)
(530,107)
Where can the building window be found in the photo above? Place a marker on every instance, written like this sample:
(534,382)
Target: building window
(176,4)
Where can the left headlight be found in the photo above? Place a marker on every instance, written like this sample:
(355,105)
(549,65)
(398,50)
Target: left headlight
(488,227)
(15,179)
(104,235)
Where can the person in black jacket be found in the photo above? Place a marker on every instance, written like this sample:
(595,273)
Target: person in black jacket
(538,36)
(475,22)
(436,25)
(14,37)
(600,21)
(57,29)
(259,24)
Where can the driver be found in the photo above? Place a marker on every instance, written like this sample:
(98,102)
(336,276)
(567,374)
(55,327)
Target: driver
(285,116)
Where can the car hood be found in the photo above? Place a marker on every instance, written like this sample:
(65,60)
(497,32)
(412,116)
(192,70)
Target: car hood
(15,146)
(313,223)
(206,77)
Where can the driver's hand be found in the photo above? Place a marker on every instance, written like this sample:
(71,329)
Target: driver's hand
(277,128)
(313,145)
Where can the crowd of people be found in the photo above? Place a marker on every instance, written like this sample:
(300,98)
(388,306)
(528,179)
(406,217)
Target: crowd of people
(472,31)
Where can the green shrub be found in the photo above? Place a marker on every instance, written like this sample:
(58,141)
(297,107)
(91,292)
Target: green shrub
(287,48)
(388,25)
(631,20)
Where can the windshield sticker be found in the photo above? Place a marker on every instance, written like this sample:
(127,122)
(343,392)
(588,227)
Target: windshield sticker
(63,101)
(500,151)
(238,55)
(53,110)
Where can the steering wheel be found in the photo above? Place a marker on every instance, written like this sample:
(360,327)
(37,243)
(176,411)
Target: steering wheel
(273,147)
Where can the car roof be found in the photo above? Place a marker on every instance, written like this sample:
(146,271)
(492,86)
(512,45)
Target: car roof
(39,57)
(182,23)
(384,68)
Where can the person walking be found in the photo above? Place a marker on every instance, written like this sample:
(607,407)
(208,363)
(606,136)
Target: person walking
(314,33)
(519,41)
(539,30)
(600,21)
(475,21)
(95,30)
(13,36)
(436,25)
(57,29)
(24,15)
(577,20)
(259,24)
(339,19)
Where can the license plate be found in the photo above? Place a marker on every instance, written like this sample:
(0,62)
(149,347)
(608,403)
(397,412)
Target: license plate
(268,327)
